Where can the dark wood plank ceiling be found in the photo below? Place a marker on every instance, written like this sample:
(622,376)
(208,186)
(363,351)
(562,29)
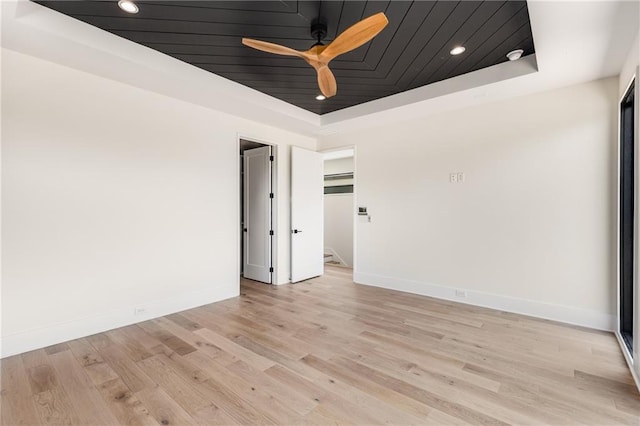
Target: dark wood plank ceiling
(412,51)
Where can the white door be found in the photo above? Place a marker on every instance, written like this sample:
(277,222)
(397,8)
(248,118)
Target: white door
(307,210)
(257,214)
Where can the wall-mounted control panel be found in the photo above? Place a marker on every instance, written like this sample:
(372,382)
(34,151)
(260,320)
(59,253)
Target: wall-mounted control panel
(363,214)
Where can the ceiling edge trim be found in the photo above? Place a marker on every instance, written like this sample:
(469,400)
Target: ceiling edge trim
(35,30)
(459,92)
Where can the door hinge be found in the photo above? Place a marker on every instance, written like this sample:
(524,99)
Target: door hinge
(271,232)
(271,195)
(271,158)
(271,269)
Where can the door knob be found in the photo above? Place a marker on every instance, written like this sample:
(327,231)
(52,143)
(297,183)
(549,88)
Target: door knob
(245,229)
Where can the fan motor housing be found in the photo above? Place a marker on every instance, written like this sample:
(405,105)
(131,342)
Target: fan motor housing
(318,30)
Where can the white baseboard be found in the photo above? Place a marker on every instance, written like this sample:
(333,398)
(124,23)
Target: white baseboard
(24,341)
(566,314)
(628,359)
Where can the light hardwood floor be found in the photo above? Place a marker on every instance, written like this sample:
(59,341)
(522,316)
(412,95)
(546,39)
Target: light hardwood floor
(326,351)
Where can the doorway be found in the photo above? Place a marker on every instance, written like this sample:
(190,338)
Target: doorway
(627,217)
(339,210)
(257,211)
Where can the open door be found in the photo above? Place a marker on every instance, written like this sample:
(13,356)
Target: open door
(258,232)
(627,210)
(307,207)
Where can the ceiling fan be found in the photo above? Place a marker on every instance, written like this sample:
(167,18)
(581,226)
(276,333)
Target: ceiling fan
(319,55)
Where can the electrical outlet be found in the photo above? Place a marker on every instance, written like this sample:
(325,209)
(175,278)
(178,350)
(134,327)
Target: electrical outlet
(461,293)
(139,311)
(456,177)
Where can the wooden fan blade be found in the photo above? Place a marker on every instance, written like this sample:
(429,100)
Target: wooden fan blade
(355,36)
(327,82)
(272,48)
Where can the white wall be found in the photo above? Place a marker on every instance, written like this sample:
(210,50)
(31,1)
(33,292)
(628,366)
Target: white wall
(338,213)
(338,226)
(530,230)
(338,165)
(629,70)
(114,198)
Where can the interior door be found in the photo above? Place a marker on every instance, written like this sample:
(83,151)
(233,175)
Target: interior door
(257,214)
(627,216)
(307,211)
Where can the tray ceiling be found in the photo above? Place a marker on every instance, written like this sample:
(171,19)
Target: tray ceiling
(412,51)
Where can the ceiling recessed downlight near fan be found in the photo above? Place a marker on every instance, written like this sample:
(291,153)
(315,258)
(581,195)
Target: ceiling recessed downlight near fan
(319,55)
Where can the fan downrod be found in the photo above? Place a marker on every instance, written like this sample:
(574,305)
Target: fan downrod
(318,31)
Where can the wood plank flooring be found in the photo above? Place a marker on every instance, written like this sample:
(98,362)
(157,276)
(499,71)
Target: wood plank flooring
(326,351)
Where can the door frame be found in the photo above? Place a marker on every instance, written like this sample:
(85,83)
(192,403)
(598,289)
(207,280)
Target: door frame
(628,355)
(354,209)
(274,204)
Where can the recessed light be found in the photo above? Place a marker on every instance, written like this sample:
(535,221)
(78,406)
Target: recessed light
(514,55)
(457,50)
(321,97)
(128,6)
